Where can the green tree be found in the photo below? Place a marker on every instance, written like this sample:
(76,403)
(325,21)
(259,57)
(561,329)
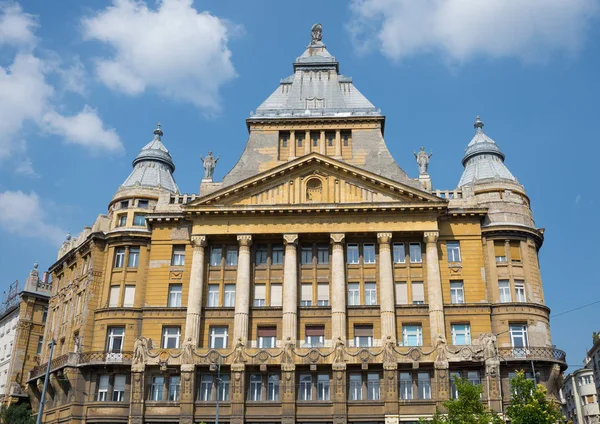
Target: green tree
(467,408)
(16,414)
(529,405)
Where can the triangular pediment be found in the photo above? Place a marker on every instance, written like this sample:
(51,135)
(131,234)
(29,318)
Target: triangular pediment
(315,179)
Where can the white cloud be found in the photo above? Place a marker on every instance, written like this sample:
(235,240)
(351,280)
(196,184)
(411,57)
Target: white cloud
(460,29)
(16,27)
(74,77)
(174,49)
(23,215)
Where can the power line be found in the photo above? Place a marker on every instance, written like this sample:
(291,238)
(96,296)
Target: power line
(575,309)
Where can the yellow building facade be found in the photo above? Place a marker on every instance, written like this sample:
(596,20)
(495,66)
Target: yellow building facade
(317,283)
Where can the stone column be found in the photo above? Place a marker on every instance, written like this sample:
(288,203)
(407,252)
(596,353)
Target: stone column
(434,287)
(307,143)
(194,306)
(242,290)
(386,287)
(292,146)
(186,401)
(338,144)
(136,403)
(338,288)
(290,288)
(322,142)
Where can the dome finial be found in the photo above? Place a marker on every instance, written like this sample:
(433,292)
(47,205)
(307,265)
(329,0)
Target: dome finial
(158,131)
(478,124)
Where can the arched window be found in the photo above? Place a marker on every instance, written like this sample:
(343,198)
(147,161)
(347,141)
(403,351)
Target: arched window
(314,190)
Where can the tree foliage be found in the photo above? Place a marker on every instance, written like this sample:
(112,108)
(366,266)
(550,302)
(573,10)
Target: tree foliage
(16,414)
(529,405)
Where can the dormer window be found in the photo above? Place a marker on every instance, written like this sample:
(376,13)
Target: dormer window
(142,203)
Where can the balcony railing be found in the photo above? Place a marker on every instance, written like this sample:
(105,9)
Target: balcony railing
(538,353)
(76,359)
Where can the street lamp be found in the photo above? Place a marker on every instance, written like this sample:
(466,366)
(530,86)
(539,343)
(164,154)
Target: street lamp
(46,379)
(217,367)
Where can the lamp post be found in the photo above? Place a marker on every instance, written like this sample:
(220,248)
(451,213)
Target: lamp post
(218,367)
(46,379)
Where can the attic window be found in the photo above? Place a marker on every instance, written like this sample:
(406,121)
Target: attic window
(314,190)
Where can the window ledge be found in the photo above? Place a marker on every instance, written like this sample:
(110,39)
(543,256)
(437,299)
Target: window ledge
(454,264)
(368,402)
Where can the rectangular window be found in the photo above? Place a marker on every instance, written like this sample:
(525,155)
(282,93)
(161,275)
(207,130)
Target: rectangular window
(261,255)
(284,141)
(260,295)
(518,335)
(399,253)
(103,383)
(129,296)
(216,253)
(373,384)
(218,337)
(306,257)
(369,253)
(322,294)
(352,253)
(500,251)
(142,203)
(114,339)
(300,141)
(118,394)
(314,336)
(229,296)
(424,385)
(345,138)
(453,250)
(461,334)
(276,294)
(134,257)
(156,390)
(406,390)
(453,387)
(415,253)
(330,140)
(355,387)
(473,377)
(401,293)
(206,384)
(122,220)
(45,313)
(273,387)
(267,337)
(174,384)
(520,291)
(223,388)
(418,293)
(178,258)
(40,345)
(353,294)
(139,220)
(119,257)
(174,295)
(504,286)
(306,295)
(305,387)
(232,256)
(255,392)
(124,204)
(277,255)
(213,296)
(515,251)
(113,300)
(170,337)
(323,254)
(412,335)
(457,292)
(323,387)
(370,294)
(363,335)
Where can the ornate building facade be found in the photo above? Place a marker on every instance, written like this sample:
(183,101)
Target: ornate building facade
(317,282)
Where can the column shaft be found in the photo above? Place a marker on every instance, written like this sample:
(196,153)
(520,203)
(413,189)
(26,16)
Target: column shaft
(242,290)
(292,145)
(386,287)
(338,144)
(434,287)
(290,288)
(322,143)
(196,287)
(338,288)
(307,143)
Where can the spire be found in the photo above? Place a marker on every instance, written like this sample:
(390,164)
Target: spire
(483,159)
(158,132)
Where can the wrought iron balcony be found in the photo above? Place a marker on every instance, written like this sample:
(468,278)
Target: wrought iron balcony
(532,353)
(73,359)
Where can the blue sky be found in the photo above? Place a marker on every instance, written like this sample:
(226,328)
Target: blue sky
(83,84)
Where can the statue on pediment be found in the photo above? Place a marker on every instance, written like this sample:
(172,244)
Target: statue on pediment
(423,160)
(210,163)
(316,33)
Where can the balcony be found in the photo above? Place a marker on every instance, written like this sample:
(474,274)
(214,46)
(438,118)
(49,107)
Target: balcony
(73,359)
(532,353)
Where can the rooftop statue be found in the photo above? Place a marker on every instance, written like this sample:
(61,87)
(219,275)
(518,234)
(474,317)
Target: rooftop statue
(210,164)
(316,31)
(423,160)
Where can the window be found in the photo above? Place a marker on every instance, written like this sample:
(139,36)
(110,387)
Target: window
(363,335)
(174,296)
(276,294)
(461,334)
(520,291)
(306,256)
(415,253)
(457,293)
(139,220)
(370,294)
(369,253)
(232,256)
(504,286)
(277,256)
(122,220)
(260,295)
(134,257)
(118,394)
(406,390)
(114,340)
(267,337)
(113,299)
(142,203)
(314,336)
(345,138)
(330,140)
(40,345)
(401,293)
(213,296)
(412,335)
(323,387)
(174,384)
(254,392)
(215,256)
(473,377)
(315,141)
(229,298)
(129,296)
(178,258)
(399,253)
(45,313)
(500,251)
(453,250)
(261,255)
(300,141)
(218,337)
(273,387)
(223,388)
(355,387)
(284,141)
(424,385)
(352,253)
(170,337)
(119,257)
(305,387)
(323,254)
(418,294)
(515,251)
(323,294)
(206,384)
(586,379)
(353,294)
(156,390)
(124,204)
(453,387)
(518,335)
(373,386)
(306,295)
(103,383)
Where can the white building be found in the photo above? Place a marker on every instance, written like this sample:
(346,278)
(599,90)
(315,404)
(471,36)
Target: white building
(9,317)
(579,398)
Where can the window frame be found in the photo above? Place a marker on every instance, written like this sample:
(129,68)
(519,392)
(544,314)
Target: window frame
(397,256)
(371,257)
(456,331)
(229,295)
(119,260)
(504,291)
(412,330)
(352,254)
(139,220)
(175,297)
(453,251)
(213,336)
(168,336)
(417,248)
(457,293)
(178,255)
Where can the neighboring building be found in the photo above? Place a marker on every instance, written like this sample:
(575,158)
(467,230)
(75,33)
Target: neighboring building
(579,398)
(594,355)
(9,318)
(317,282)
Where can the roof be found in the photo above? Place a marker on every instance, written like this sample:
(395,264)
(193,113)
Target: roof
(153,166)
(483,159)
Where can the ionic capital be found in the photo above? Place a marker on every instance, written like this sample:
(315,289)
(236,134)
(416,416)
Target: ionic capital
(337,238)
(431,236)
(290,239)
(384,238)
(245,240)
(198,241)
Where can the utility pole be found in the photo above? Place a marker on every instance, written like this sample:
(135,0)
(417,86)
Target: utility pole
(46,379)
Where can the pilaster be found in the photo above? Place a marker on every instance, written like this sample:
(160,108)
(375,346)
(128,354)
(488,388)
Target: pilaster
(288,398)
(242,290)
(186,401)
(290,288)
(340,413)
(237,396)
(434,286)
(338,287)
(136,405)
(338,145)
(292,146)
(194,306)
